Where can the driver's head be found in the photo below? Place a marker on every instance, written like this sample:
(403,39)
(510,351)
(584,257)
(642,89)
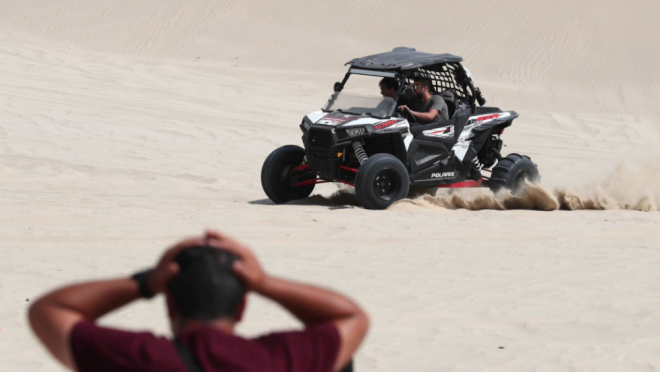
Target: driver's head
(388,87)
(422,87)
(205,289)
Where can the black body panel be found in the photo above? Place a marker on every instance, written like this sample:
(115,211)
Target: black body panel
(329,147)
(423,154)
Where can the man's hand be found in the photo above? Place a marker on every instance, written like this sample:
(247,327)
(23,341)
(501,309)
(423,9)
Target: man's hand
(310,304)
(247,266)
(167,269)
(402,108)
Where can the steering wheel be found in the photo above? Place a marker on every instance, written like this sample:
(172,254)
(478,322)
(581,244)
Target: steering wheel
(407,113)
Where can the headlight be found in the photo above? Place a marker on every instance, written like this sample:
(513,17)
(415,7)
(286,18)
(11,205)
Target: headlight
(304,126)
(355,131)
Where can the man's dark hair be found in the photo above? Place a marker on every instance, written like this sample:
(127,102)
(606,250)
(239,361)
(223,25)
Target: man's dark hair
(206,288)
(425,82)
(389,83)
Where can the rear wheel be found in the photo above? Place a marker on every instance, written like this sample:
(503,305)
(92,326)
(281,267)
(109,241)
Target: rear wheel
(511,173)
(380,181)
(278,175)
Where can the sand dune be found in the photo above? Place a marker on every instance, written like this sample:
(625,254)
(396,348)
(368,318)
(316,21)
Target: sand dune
(125,125)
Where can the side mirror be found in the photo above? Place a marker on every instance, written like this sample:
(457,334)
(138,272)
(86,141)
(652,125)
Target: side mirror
(337,87)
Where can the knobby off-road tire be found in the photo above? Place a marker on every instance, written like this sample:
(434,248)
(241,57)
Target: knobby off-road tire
(276,175)
(511,172)
(380,181)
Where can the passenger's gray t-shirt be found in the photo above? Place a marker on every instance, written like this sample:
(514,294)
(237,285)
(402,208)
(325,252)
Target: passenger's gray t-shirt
(436,102)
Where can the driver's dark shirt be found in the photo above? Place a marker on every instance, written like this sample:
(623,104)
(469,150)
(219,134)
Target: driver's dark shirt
(435,102)
(101,349)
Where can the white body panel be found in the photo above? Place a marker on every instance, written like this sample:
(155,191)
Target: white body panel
(460,147)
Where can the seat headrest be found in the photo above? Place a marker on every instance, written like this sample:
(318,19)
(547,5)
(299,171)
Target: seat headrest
(448,95)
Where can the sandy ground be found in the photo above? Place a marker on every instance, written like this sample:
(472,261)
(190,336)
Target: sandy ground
(126,125)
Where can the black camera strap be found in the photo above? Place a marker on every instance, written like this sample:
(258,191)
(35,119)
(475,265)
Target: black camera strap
(186,356)
(348,367)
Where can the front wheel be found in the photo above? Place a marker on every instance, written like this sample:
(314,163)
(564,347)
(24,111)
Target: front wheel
(278,175)
(511,173)
(380,181)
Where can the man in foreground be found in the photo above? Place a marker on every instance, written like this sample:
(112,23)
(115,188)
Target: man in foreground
(204,281)
(426,108)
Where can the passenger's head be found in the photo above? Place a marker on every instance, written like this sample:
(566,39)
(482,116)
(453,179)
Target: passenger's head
(388,87)
(422,87)
(205,289)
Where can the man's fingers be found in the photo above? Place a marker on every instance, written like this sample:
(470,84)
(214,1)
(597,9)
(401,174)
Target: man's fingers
(225,242)
(238,266)
(219,239)
(242,253)
(230,245)
(172,252)
(240,269)
(212,234)
(172,269)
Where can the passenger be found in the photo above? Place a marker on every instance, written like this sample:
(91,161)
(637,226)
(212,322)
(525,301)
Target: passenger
(204,281)
(388,87)
(426,108)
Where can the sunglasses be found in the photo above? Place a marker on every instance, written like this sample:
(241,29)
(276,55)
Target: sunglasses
(418,86)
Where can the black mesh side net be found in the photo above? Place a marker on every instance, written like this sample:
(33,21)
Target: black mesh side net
(443,77)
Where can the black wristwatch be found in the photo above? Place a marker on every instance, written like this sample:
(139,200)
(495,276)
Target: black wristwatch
(141,279)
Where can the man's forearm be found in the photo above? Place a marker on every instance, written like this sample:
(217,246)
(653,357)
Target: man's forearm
(308,303)
(53,316)
(423,115)
(94,299)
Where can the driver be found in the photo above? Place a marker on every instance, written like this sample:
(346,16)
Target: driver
(426,108)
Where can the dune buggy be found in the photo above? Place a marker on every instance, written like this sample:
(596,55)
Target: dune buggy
(363,141)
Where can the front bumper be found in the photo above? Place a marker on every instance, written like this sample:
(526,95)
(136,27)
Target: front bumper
(322,149)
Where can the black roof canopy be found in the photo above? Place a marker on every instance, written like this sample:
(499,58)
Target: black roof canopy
(402,59)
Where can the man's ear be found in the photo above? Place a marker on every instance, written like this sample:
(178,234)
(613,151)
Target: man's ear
(241,309)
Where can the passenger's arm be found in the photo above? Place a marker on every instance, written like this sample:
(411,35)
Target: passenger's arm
(53,316)
(310,304)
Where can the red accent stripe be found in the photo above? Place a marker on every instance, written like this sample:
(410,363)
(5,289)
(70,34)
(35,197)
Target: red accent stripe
(441,131)
(464,184)
(317,181)
(302,167)
(310,182)
(488,117)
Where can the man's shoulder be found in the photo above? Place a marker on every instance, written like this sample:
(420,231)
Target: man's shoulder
(437,99)
(317,346)
(97,348)
(319,330)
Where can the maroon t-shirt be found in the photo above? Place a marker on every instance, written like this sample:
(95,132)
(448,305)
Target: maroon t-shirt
(100,349)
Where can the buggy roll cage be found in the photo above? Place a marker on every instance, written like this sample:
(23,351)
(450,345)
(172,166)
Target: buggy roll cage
(405,64)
